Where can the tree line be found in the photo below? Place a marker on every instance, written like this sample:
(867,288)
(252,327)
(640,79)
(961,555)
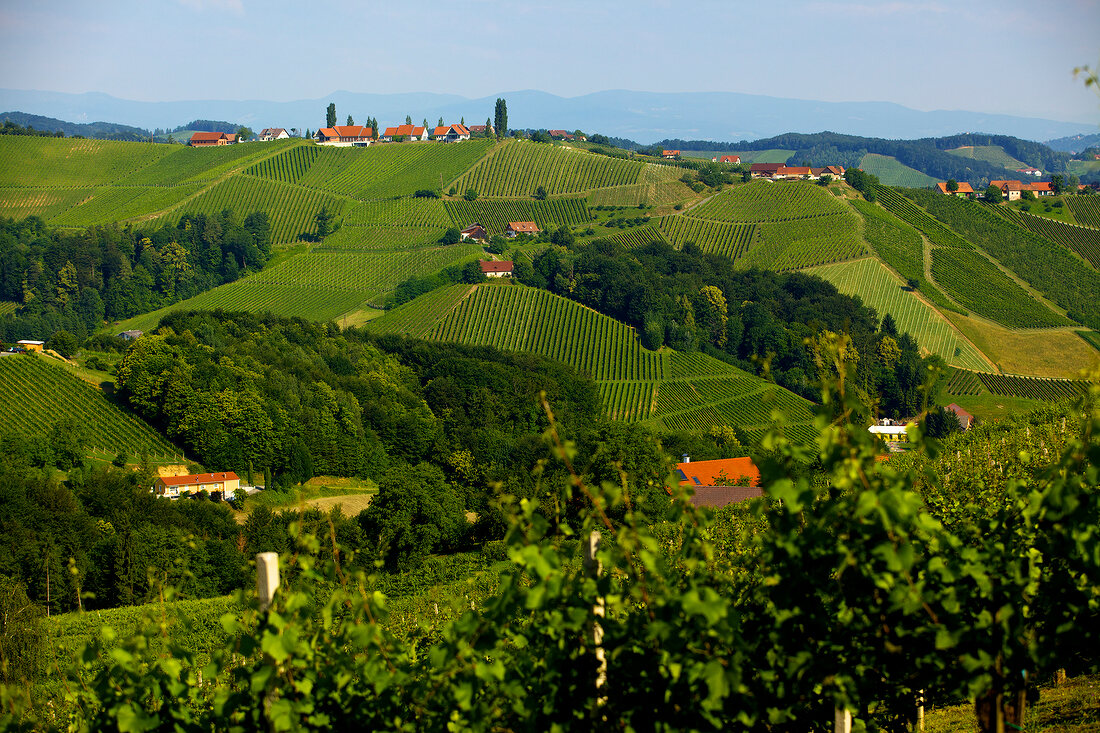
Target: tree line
(71,281)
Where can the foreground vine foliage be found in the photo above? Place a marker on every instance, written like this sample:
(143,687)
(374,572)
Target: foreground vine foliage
(844,593)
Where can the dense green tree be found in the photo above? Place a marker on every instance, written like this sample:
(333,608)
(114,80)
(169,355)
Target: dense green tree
(244,134)
(470,195)
(330,115)
(451,236)
(992,194)
(500,117)
(350,120)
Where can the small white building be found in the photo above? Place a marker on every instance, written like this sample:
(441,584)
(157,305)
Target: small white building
(896,437)
(273,133)
(496,268)
(173,487)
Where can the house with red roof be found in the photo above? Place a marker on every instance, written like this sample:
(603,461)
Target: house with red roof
(475,232)
(211,139)
(412,133)
(273,133)
(1012,190)
(733,159)
(515,228)
(173,487)
(481,129)
(496,268)
(560,134)
(965,418)
(1040,188)
(965,189)
(670,154)
(721,482)
(793,172)
(451,133)
(345,136)
(765,170)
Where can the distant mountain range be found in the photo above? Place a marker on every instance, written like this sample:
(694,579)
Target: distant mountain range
(643,116)
(98,130)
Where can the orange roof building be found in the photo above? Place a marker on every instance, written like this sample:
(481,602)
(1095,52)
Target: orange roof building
(409,132)
(965,189)
(345,135)
(496,268)
(720,472)
(670,154)
(172,487)
(210,139)
(521,227)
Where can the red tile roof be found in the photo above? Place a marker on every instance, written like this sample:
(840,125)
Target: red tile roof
(730,159)
(200,137)
(765,167)
(964,187)
(1008,185)
(440,131)
(965,418)
(527,227)
(199,478)
(720,496)
(461,129)
(406,130)
(800,170)
(706,473)
(669,153)
(488,266)
(1043,186)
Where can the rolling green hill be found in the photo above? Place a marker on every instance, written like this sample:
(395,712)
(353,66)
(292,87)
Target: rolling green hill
(994,154)
(666,387)
(37,392)
(891,172)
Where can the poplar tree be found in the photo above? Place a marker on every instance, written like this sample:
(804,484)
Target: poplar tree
(330,115)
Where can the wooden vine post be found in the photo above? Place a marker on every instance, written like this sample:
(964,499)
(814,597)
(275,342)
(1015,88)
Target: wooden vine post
(267,578)
(593,566)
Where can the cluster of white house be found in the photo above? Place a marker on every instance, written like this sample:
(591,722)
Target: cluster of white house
(893,432)
(779,171)
(353,135)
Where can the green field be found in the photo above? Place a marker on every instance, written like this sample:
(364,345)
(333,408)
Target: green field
(1032,388)
(994,154)
(748,157)
(761,200)
(403,212)
(368,239)
(19,203)
(714,237)
(891,172)
(798,243)
(36,393)
(637,236)
(495,214)
(1086,209)
(675,390)
(115,203)
(656,192)
(910,213)
(883,291)
(1085,241)
(45,162)
(518,168)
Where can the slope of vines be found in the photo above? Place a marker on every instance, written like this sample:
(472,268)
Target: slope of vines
(518,168)
(494,215)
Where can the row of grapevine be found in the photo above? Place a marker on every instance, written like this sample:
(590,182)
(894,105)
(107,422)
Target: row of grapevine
(893,172)
(964,382)
(518,168)
(657,193)
(1085,209)
(291,209)
(1034,388)
(400,212)
(769,201)
(792,245)
(114,203)
(527,319)
(910,213)
(368,239)
(387,170)
(420,316)
(19,203)
(713,237)
(975,282)
(47,162)
(754,409)
(35,394)
(495,214)
(637,237)
(288,167)
(628,401)
(192,165)
(697,364)
(1082,240)
(1092,338)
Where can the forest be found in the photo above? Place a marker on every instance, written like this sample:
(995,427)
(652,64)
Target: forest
(764,322)
(71,281)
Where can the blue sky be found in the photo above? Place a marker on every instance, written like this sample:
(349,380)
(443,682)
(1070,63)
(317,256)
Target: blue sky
(1003,56)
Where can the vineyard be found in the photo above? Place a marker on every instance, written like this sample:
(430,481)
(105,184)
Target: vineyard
(964,382)
(35,394)
(349,238)
(1082,240)
(713,237)
(897,244)
(111,204)
(761,201)
(192,165)
(291,209)
(636,237)
(975,282)
(387,170)
(1092,338)
(881,290)
(629,401)
(288,167)
(894,173)
(1032,388)
(419,317)
(526,319)
(792,245)
(404,212)
(654,193)
(1085,209)
(494,215)
(913,215)
(1047,267)
(19,203)
(47,162)
(519,168)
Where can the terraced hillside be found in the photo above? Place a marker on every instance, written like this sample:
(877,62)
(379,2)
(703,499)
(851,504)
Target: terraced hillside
(495,214)
(1083,240)
(886,293)
(892,172)
(36,393)
(673,389)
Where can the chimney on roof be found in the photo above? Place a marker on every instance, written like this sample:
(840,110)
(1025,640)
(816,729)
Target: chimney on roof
(687,458)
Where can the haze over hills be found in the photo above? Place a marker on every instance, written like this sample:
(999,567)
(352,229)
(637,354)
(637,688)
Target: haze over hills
(643,116)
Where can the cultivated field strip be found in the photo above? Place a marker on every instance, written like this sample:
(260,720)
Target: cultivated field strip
(371,273)
(751,410)
(19,203)
(35,394)
(760,201)
(637,237)
(1085,209)
(915,216)
(653,193)
(695,364)
(713,237)
(48,162)
(526,319)
(403,212)
(629,401)
(1085,241)
(794,244)
(1092,338)
(892,172)
(288,167)
(195,165)
(369,239)
(420,317)
(495,214)
(291,209)
(977,284)
(963,382)
(518,168)
(113,203)
(884,292)
(1033,388)
(387,170)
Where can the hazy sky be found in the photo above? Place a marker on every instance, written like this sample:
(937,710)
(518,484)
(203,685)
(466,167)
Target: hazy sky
(1004,56)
